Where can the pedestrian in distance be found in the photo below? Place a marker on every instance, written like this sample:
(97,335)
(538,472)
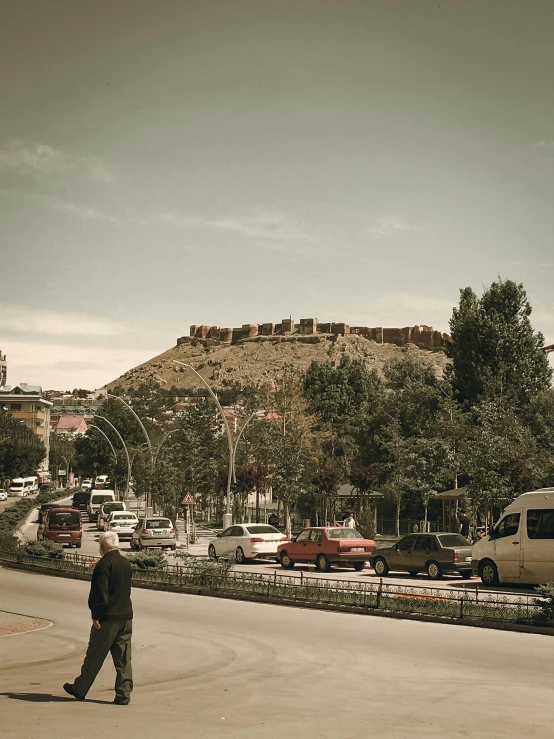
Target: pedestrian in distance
(350,521)
(464,525)
(112,620)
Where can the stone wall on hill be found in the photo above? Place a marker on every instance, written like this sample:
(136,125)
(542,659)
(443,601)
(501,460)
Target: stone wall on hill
(423,336)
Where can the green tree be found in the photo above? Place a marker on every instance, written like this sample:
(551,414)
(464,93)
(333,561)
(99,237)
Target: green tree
(21,451)
(495,352)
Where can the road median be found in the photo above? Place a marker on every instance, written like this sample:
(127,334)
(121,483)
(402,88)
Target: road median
(490,610)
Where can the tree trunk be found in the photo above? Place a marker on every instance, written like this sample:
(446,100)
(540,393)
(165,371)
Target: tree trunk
(397,521)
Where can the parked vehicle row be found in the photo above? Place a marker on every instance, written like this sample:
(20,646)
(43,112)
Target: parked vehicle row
(519,547)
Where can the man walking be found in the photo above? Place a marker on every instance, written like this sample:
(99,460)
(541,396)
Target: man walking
(112,619)
(350,522)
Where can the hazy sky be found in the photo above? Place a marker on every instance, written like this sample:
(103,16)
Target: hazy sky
(168,162)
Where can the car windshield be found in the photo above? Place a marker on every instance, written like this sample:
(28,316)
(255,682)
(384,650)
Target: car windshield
(79,497)
(17,484)
(261,529)
(158,523)
(453,540)
(343,534)
(64,518)
(100,499)
(112,507)
(124,517)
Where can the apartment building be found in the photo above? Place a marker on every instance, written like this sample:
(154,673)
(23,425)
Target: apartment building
(26,404)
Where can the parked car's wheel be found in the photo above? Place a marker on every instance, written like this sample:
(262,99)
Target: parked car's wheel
(286,562)
(434,570)
(359,566)
(489,573)
(466,574)
(78,545)
(323,563)
(381,567)
(240,559)
(212,553)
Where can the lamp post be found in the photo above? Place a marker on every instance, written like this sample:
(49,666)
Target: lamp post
(96,415)
(93,426)
(145,436)
(228,516)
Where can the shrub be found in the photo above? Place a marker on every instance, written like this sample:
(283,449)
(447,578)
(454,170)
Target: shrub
(8,542)
(148,560)
(48,549)
(546,603)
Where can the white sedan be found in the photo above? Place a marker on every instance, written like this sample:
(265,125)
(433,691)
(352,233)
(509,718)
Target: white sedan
(3,495)
(246,541)
(123,523)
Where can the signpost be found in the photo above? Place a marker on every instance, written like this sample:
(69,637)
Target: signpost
(188,501)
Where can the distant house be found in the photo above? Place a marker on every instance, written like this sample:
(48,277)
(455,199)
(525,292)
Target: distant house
(71,425)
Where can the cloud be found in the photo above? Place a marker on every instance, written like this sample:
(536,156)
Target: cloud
(54,323)
(275,231)
(390,226)
(87,212)
(41,160)
(90,367)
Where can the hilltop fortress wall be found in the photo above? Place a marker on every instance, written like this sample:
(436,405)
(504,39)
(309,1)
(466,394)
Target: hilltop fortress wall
(423,336)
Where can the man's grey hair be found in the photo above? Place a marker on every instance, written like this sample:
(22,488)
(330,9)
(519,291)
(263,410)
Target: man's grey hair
(109,540)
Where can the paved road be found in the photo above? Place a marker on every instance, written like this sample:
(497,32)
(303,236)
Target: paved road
(450,582)
(214,669)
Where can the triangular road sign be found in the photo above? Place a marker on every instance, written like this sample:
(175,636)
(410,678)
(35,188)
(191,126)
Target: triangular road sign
(188,500)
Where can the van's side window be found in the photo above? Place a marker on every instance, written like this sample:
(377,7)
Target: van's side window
(508,526)
(540,523)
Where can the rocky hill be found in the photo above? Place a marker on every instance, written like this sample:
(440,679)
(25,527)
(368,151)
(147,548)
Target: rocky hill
(257,361)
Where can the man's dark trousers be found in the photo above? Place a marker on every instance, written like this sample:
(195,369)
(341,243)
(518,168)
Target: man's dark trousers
(114,637)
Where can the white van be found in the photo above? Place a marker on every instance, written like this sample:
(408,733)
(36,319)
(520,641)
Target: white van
(19,487)
(520,546)
(96,500)
(32,483)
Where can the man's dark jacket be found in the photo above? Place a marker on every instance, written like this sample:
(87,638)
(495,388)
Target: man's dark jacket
(110,589)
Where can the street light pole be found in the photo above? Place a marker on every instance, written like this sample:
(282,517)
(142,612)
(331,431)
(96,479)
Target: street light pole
(117,397)
(228,516)
(96,415)
(93,426)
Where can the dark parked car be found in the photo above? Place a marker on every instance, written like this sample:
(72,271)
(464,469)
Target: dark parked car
(43,510)
(81,499)
(434,554)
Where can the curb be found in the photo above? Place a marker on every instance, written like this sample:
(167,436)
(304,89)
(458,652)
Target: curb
(194,590)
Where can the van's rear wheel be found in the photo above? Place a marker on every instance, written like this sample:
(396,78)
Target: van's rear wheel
(488,572)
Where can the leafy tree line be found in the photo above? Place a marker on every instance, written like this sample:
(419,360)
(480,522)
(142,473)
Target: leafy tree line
(405,433)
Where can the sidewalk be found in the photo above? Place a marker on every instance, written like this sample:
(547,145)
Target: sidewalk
(15,623)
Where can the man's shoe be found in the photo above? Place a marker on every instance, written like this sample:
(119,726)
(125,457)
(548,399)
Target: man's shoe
(68,687)
(121,701)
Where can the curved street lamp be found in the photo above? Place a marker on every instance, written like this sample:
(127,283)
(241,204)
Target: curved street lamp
(228,517)
(96,415)
(93,426)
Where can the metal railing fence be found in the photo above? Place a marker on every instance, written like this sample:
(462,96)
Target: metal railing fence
(452,604)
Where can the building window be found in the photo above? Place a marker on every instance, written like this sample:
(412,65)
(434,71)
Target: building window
(16,406)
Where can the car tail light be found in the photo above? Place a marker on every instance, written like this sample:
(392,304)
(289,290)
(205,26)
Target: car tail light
(172,531)
(283,538)
(256,540)
(145,532)
(455,556)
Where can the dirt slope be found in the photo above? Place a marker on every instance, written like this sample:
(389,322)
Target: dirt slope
(257,361)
